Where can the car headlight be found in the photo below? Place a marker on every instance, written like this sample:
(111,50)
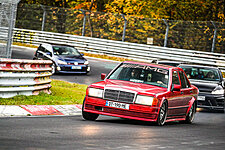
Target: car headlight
(62,62)
(218,90)
(144,100)
(95,92)
(86,62)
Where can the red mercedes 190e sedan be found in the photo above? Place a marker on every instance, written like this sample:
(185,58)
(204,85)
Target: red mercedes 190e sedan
(142,91)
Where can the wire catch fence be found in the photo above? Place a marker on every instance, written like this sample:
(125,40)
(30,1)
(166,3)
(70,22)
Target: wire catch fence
(206,36)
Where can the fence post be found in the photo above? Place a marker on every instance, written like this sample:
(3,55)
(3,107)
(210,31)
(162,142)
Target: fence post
(84,22)
(43,20)
(124,27)
(214,37)
(11,22)
(166,34)
(1,13)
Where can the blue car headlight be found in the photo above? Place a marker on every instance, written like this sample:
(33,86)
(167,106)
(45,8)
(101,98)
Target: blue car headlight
(86,62)
(62,62)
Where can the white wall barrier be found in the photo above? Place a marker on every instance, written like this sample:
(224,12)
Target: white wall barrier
(24,77)
(121,49)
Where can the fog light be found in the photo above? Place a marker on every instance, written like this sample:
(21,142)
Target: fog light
(58,68)
(88,68)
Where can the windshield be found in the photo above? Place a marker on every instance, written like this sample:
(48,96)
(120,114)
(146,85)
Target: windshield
(65,50)
(141,74)
(208,74)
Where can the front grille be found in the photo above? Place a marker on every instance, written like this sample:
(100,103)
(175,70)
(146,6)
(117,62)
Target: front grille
(73,63)
(122,112)
(84,69)
(121,96)
(129,113)
(212,101)
(205,89)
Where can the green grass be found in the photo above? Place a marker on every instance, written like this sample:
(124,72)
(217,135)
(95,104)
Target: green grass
(63,93)
(106,57)
(24,44)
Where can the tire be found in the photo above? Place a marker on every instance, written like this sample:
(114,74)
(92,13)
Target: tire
(191,114)
(88,115)
(162,114)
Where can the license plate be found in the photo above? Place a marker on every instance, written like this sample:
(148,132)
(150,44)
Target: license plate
(117,105)
(76,67)
(201,98)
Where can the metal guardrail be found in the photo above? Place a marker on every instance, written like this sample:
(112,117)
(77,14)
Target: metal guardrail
(121,49)
(24,77)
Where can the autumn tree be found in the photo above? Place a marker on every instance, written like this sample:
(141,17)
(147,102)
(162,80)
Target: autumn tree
(144,19)
(195,10)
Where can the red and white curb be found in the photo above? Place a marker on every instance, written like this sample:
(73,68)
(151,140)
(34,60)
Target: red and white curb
(39,110)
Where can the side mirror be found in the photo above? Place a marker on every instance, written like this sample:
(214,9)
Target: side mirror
(103,75)
(49,54)
(176,87)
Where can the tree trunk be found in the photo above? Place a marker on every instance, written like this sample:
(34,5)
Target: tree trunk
(89,18)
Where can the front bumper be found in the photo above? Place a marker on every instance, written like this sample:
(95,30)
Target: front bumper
(211,101)
(136,112)
(69,69)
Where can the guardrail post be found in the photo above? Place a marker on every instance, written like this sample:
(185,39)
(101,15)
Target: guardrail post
(43,20)
(84,22)
(124,27)
(166,34)
(214,37)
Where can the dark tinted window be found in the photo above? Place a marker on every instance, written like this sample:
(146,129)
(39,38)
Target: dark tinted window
(141,74)
(184,81)
(65,50)
(209,74)
(175,78)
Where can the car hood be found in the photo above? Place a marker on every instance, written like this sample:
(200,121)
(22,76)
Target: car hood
(135,87)
(71,58)
(205,86)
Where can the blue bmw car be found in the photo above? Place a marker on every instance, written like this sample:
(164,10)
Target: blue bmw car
(66,59)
